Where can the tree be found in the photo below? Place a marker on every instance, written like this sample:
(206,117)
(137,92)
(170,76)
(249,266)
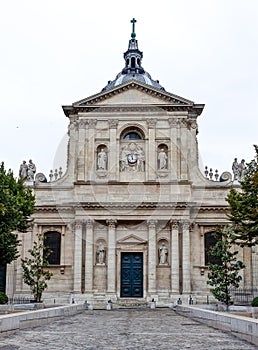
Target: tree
(35,274)
(226,274)
(16,206)
(243,210)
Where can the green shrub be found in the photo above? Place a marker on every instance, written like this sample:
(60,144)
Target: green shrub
(255,302)
(3,298)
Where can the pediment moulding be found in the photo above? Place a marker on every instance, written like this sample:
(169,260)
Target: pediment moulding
(132,239)
(163,95)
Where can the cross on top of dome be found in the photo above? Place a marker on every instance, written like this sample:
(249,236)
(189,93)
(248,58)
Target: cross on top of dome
(133,69)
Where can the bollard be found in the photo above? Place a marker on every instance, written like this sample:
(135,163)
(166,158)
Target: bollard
(153,304)
(109,305)
(179,301)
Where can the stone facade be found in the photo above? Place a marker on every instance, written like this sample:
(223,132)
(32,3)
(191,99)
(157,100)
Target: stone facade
(132,188)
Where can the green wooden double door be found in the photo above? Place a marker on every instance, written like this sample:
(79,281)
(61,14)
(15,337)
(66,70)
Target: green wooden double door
(131,275)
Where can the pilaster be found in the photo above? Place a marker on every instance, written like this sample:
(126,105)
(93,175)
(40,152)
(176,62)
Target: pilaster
(111,268)
(89,256)
(174,160)
(81,150)
(91,156)
(186,262)
(174,257)
(113,151)
(183,150)
(77,266)
(152,155)
(152,256)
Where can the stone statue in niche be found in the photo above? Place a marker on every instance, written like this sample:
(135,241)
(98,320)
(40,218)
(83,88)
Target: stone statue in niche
(102,160)
(132,158)
(162,160)
(163,254)
(100,255)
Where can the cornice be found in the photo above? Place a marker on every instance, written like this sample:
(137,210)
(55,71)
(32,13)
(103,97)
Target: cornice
(214,208)
(131,108)
(53,209)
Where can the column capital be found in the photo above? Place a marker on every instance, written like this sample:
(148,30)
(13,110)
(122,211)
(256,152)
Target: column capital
(174,122)
(151,123)
(185,224)
(89,223)
(152,223)
(92,123)
(174,224)
(113,123)
(82,123)
(78,224)
(111,223)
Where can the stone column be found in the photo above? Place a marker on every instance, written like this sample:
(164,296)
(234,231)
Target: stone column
(174,257)
(111,268)
(77,265)
(113,154)
(186,262)
(152,255)
(152,152)
(89,256)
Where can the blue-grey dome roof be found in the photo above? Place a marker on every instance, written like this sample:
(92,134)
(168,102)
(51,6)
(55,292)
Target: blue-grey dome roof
(133,69)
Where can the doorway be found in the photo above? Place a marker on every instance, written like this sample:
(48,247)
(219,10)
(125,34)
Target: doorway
(132,275)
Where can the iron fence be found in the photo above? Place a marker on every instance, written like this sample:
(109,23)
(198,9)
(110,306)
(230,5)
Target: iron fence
(20,300)
(243,296)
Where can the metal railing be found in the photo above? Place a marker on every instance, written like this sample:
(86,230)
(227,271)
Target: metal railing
(20,300)
(243,296)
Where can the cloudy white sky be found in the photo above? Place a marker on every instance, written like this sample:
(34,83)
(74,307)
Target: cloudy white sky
(56,52)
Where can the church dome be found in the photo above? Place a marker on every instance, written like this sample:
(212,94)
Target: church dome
(133,69)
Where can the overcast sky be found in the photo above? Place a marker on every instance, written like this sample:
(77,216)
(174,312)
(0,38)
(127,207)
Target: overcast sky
(56,52)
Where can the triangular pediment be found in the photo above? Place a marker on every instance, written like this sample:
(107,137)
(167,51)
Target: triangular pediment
(132,239)
(133,92)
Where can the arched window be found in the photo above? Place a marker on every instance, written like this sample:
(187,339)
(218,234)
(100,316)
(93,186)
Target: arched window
(210,239)
(52,240)
(132,135)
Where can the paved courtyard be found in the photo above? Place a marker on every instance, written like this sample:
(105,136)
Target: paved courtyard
(123,329)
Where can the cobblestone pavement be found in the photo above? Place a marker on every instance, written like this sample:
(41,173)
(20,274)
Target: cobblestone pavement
(123,329)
